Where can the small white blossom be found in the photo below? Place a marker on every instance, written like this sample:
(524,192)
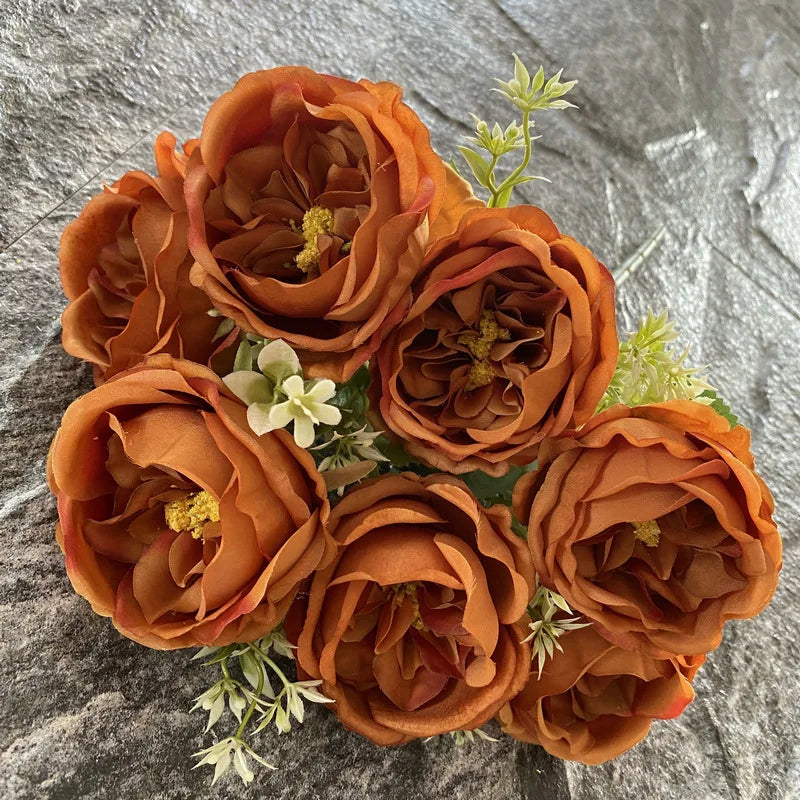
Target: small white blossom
(306,407)
(231,751)
(214,699)
(289,703)
(464,737)
(350,448)
(545,630)
(276,362)
(277,641)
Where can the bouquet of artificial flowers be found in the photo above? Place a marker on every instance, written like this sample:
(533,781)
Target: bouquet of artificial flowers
(350,414)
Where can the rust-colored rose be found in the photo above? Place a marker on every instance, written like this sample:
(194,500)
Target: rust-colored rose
(310,200)
(413,629)
(594,700)
(175,519)
(511,338)
(125,271)
(652,522)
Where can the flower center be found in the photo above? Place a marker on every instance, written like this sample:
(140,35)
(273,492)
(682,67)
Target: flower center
(648,533)
(480,345)
(409,590)
(191,513)
(317,221)
(302,407)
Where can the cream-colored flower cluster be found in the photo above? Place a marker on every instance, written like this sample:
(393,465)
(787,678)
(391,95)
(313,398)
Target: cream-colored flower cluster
(277,394)
(651,370)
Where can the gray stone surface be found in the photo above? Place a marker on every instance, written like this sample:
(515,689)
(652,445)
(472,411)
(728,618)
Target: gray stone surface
(690,112)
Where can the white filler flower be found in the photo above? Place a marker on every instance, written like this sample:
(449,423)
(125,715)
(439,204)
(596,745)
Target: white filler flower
(306,407)
(277,395)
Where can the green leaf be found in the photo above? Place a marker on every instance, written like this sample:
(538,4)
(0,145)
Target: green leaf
(244,358)
(478,164)
(351,396)
(538,80)
(491,491)
(520,529)
(393,451)
(361,378)
(454,166)
(250,667)
(560,105)
(504,197)
(224,328)
(721,407)
(521,74)
(221,654)
(398,457)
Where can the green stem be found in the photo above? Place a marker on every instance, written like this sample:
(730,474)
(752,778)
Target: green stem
(490,181)
(511,179)
(224,667)
(252,707)
(275,668)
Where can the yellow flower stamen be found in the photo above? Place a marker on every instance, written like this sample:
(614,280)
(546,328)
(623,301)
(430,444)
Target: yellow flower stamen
(403,590)
(480,374)
(480,345)
(191,513)
(648,533)
(317,221)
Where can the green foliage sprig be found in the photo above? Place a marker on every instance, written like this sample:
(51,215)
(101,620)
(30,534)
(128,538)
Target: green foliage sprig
(529,95)
(490,490)
(650,369)
(251,699)
(546,610)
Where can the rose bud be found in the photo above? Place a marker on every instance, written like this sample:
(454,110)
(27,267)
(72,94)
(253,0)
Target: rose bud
(511,338)
(652,522)
(594,700)
(413,629)
(175,519)
(125,271)
(310,200)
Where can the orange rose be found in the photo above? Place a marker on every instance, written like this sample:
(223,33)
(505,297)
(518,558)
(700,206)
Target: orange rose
(175,519)
(511,338)
(412,628)
(652,522)
(125,271)
(594,700)
(310,206)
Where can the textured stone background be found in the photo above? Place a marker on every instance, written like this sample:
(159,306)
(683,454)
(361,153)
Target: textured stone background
(689,117)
